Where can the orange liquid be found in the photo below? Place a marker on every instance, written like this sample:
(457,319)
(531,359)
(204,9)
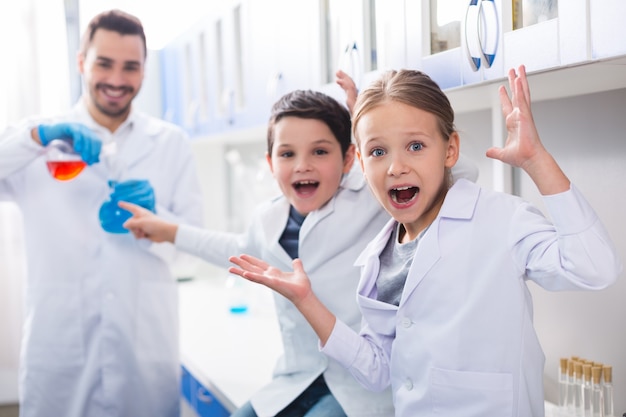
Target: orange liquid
(65,170)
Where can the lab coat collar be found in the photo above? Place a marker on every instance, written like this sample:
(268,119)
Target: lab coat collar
(80,110)
(460,203)
(352,181)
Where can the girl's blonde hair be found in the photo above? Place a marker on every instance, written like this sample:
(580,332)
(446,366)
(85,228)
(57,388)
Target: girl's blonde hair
(410,87)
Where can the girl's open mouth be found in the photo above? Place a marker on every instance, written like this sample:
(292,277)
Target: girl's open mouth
(403,195)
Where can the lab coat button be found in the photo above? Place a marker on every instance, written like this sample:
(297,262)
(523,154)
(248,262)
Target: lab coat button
(406,322)
(408,384)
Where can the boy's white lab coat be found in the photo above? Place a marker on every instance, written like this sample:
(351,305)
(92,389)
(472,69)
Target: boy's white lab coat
(101,319)
(331,238)
(461,342)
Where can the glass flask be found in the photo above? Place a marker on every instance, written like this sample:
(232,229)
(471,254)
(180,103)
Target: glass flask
(63,163)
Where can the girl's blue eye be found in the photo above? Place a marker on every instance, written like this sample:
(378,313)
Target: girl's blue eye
(416,146)
(286,154)
(377,152)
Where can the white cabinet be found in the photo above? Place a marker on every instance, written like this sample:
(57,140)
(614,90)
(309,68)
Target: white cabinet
(608,31)
(456,43)
(225,73)
(281,48)
(390,28)
(545,33)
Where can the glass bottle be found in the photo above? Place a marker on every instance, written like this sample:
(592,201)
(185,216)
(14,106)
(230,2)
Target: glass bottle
(571,388)
(607,391)
(597,400)
(578,384)
(563,382)
(586,391)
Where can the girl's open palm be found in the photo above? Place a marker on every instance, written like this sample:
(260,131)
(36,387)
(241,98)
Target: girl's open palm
(522,144)
(295,285)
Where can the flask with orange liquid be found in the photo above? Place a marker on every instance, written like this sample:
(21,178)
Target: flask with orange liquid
(63,163)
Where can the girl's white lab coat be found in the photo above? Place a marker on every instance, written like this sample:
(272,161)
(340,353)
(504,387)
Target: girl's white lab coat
(330,241)
(461,342)
(101,323)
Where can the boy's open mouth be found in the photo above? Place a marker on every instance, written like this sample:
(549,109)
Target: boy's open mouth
(403,195)
(306,187)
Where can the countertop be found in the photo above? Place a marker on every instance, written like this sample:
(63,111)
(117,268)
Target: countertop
(231,354)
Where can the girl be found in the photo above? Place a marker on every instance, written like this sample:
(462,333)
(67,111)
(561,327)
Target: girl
(447,316)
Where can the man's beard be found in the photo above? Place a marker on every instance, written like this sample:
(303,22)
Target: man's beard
(113,112)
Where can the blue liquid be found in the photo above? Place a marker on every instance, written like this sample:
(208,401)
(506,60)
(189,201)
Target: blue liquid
(113,217)
(238,309)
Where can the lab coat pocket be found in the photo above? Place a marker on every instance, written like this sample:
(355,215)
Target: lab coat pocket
(54,332)
(157,322)
(456,393)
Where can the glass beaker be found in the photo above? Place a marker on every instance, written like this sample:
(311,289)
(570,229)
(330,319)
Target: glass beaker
(63,163)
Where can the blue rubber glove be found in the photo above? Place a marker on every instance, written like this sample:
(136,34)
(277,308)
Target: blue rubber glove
(139,192)
(83,140)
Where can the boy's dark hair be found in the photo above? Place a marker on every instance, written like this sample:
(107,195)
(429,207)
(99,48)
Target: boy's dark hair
(308,104)
(116,21)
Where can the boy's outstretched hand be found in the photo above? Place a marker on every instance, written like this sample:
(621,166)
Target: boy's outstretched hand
(146,225)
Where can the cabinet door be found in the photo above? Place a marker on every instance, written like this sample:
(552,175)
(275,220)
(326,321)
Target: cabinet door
(456,42)
(349,39)
(433,37)
(390,35)
(185,81)
(282,53)
(200,399)
(186,382)
(171,94)
(207,405)
(543,34)
(608,31)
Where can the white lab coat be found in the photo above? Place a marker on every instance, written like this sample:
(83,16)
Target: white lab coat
(331,238)
(101,319)
(461,342)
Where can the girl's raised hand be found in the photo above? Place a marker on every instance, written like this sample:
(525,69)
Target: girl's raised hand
(522,145)
(295,286)
(523,148)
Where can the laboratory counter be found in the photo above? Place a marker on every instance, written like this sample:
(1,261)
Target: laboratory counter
(226,356)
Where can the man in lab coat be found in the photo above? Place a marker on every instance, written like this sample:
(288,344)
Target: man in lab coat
(101,335)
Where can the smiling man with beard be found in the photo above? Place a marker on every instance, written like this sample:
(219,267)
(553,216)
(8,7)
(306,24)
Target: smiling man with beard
(100,335)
